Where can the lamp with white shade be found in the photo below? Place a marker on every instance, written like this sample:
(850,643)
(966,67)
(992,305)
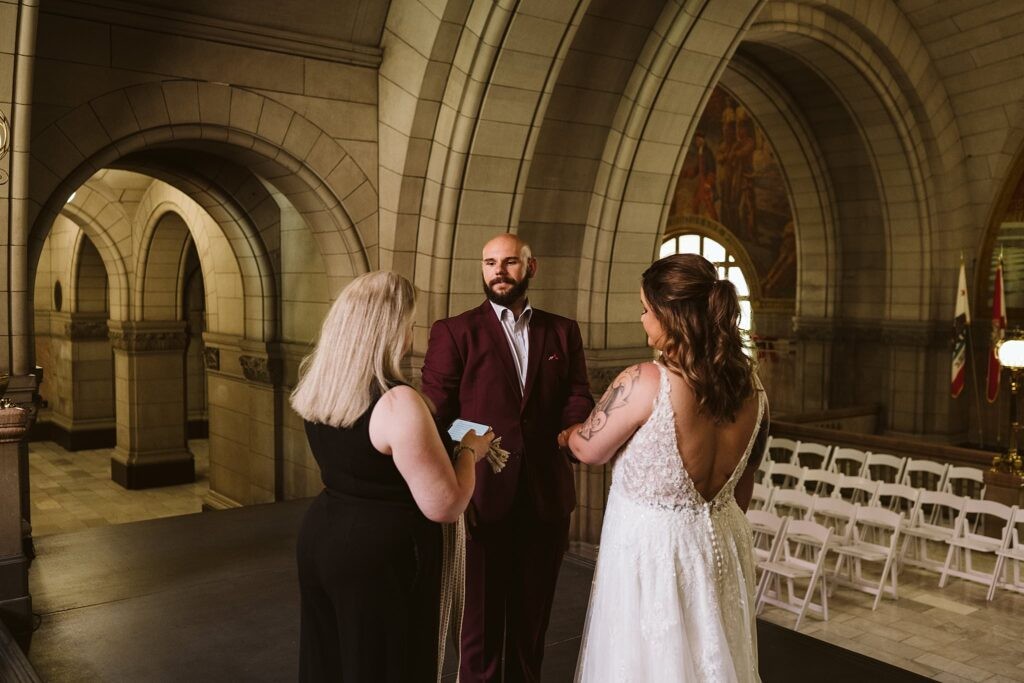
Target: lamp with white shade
(1010,352)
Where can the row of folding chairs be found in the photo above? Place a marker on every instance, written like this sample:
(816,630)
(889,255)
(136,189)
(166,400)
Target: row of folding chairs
(794,537)
(783,457)
(817,484)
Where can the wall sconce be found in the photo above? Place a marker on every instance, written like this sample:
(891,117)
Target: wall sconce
(1010,352)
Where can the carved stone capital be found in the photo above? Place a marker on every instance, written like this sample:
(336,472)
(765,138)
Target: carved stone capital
(135,337)
(919,334)
(211,357)
(888,332)
(86,328)
(260,369)
(814,329)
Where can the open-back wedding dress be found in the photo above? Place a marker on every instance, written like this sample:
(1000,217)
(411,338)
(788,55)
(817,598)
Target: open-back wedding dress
(673,594)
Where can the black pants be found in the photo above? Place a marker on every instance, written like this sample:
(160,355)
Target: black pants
(369,577)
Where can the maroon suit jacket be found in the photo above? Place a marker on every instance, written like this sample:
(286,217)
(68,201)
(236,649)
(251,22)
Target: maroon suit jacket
(469,372)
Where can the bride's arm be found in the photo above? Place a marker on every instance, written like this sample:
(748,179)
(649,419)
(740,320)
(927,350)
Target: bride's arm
(625,406)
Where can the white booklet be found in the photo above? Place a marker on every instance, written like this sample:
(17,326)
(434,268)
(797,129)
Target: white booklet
(459,428)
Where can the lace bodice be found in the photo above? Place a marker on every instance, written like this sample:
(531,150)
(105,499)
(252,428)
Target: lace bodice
(650,470)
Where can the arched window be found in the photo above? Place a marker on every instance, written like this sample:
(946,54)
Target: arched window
(726,263)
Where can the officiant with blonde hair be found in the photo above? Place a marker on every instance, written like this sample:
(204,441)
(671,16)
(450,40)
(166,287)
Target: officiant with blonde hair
(370,547)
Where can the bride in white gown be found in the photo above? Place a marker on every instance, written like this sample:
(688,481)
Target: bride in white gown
(673,593)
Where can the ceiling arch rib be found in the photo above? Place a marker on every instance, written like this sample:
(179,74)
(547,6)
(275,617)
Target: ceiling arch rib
(247,216)
(309,167)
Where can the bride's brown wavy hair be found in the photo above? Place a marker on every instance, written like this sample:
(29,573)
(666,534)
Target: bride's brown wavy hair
(700,314)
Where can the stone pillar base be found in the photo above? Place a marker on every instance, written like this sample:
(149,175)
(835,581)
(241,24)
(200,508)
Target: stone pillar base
(169,469)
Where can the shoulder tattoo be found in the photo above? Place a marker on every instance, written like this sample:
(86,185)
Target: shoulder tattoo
(616,396)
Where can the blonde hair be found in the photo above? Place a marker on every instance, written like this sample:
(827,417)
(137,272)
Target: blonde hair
(362,341)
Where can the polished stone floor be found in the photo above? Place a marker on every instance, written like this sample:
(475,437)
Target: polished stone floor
(214,597)
(951,634)
(73,491)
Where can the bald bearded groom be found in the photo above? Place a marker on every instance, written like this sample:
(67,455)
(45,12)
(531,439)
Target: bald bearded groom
(521,371)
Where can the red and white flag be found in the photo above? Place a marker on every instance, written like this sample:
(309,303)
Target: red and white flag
(961,322)
(998,326)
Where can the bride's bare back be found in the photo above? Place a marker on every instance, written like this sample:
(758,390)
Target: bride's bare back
(710,451)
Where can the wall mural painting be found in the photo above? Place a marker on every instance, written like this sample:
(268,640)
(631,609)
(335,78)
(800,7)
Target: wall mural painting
(1010,241)
(731,176)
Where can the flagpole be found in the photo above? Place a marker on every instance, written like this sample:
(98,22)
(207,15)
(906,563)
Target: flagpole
(977,392)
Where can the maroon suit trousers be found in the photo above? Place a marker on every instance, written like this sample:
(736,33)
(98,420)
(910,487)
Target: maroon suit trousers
(511,571)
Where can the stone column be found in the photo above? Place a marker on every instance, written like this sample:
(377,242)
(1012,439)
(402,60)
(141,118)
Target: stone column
(813,362)
(246,403)
(15,601)
(82,404)
(262,367)
(149,377)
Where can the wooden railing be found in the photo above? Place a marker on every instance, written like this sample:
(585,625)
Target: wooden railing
(884,444)
(860,419)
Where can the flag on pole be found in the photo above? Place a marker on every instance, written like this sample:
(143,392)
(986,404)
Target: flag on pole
(998,326)
(961,321)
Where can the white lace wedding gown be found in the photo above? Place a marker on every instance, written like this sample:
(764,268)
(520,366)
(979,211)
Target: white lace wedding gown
(673,594)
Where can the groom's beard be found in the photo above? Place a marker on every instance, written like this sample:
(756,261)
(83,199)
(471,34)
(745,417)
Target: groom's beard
(517,290)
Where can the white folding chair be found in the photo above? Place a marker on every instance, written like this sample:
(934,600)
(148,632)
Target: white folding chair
(848,461)
(1009,559)
(800,538)
(764,471)
(925,474)
(793,503)
(786,476)
(767,530)
(897,498)
(761,498)
(965,481)
(876,534)
(837,515)
(884,467)
(969,539)
(933,521)
(857,489)
(813,456)
(821,482)
(781,449)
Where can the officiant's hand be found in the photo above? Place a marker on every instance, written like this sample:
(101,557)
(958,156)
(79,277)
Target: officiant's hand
(478,444)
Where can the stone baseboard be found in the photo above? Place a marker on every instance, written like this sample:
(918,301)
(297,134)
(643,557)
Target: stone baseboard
(218,501)
(74,440)
(100,437)
(148,475)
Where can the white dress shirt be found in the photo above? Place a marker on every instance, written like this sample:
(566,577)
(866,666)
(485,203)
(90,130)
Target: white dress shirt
(517,332)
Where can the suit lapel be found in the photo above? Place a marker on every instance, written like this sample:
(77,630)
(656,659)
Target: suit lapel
(538,331)
(500,343)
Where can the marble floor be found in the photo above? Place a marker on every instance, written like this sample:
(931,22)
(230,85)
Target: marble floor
(71,491)
(949,634)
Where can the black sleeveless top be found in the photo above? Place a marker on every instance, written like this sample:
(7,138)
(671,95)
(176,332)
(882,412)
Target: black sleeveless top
(351,466)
